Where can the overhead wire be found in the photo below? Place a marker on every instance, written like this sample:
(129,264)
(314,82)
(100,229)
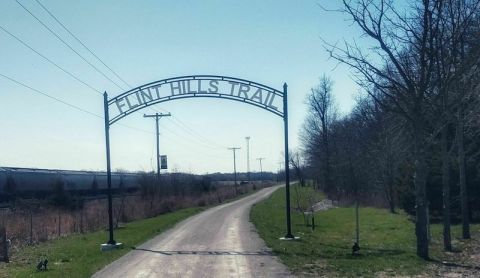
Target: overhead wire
(195,149)
(187,138)
(63,70)
(78,108)
(83,44)
(50,97)
(181,125)
(49,60)
(67,45)
(207,142)
(184,126)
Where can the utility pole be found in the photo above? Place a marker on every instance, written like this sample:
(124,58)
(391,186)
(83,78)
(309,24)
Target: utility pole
(235,167)
(157,117)
(248,158)
(261,169)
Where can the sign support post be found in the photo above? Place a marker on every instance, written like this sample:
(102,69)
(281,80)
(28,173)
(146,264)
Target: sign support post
(109,170)
(111,244)
(287,168)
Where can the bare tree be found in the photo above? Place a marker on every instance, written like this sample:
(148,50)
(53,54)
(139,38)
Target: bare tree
(451,64)
(297,162)
(317,126)
(404,44)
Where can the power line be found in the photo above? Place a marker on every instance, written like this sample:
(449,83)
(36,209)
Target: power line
(176,121)
(189,139)
(182,125)
(66,103)
(51,97)
(50,61)
(79,41)
(194,149)
(195,133)
(96,115)
(66,44)
(199,139)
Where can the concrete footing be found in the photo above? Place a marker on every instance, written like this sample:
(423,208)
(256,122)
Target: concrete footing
(289,238)
(108,246)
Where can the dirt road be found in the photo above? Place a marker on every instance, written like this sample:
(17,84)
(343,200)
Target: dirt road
(219,242)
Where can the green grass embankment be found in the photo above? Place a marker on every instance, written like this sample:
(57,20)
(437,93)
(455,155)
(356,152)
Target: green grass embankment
(387,240)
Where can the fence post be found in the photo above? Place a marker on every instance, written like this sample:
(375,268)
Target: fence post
(4,244)
(31,226)
(81,220)
(59,224)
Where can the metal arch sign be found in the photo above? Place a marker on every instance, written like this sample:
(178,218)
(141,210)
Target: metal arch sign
(193,86)
(207,86)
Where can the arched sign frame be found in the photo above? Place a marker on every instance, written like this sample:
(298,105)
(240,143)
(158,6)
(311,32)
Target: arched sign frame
(214,86)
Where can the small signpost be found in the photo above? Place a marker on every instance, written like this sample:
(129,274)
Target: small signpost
(195,86)
(163,160)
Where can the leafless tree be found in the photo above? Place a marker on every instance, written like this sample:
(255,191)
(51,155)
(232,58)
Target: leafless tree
(403,45)
(455,56)
(298,164)
(317,127)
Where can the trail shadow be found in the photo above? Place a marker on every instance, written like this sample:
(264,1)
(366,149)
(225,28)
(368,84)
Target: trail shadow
(369,251)
(207,253)
(343,251)
(456,265)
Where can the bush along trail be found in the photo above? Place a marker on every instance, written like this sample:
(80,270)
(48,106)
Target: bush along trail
(387,241)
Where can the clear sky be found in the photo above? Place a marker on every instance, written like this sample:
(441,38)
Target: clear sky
(270,42)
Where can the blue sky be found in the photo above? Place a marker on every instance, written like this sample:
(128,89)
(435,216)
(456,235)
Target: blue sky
(270,42)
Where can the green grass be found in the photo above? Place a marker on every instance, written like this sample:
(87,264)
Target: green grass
(387,240)
(80,255)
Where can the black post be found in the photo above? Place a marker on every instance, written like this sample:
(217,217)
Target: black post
(248,159)
(109,171)
(235,170)
(287,172)
(158,148)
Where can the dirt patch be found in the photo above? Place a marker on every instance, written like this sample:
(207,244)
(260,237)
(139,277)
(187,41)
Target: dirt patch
(459,264)
(323,205)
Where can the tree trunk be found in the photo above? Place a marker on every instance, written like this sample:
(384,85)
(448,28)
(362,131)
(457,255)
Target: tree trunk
(328,186)
(447,242)
(421,224)
(390,197)
(389,190)
(461,168)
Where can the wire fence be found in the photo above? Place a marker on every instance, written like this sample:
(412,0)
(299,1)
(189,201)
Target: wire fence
(29,222)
